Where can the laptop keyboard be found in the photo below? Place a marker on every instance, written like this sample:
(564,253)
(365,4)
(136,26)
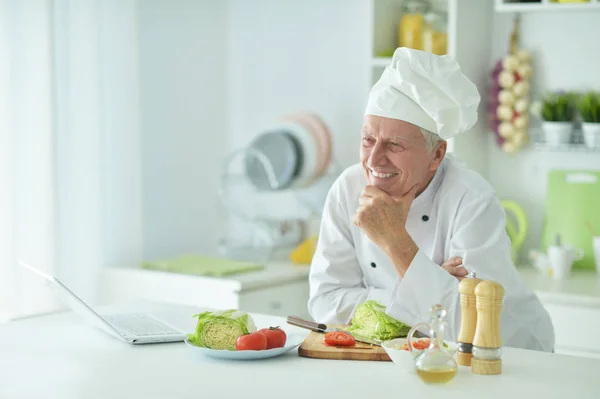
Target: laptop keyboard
(140,325)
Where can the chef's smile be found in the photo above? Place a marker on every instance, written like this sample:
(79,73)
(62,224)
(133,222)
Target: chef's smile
(382,179)
(382,175)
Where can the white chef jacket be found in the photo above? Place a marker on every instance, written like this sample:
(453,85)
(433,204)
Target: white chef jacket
(458,214)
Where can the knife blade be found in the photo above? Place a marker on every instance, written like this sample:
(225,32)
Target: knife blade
(323,328)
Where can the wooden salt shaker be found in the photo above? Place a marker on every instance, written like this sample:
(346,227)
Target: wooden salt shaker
(468,321)
(487,345)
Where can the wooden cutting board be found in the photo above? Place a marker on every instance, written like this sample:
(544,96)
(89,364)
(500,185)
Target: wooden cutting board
(314,347)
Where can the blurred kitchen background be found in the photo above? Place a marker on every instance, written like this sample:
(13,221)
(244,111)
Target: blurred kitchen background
(181,150)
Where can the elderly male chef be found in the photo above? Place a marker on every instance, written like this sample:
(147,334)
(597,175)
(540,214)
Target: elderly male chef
(391,221)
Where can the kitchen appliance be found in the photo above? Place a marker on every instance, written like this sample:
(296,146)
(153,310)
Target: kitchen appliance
(573,212)
(516,227)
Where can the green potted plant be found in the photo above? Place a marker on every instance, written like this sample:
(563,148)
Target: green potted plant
(588,106)
(557,112)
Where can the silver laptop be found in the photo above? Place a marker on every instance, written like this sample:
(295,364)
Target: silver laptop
(135,328)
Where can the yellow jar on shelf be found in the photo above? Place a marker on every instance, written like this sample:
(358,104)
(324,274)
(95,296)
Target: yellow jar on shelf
(410,28)
(435,33)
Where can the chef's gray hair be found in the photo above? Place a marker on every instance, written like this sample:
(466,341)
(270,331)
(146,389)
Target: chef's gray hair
(431,139)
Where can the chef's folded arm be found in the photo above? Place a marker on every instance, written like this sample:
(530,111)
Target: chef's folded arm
(478,236)
(337,284)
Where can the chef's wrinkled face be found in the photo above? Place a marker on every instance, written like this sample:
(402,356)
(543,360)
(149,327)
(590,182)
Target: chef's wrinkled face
(395,156)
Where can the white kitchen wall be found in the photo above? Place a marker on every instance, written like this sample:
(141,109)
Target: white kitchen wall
(213,74)
(120,93)
(287,56)
(184,122)
(565,57)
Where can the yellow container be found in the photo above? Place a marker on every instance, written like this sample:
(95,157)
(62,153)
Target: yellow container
(410,31)
(435,36)
(304,252)
(410,28)
(434,41)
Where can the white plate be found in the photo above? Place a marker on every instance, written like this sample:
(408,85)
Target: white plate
(309,152)
(292,342)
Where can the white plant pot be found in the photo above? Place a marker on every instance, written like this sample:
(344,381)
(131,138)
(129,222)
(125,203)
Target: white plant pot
(591,134)
(557,133)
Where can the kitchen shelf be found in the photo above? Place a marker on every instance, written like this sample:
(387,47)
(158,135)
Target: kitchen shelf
(545,5)
(570,147)
(576,145)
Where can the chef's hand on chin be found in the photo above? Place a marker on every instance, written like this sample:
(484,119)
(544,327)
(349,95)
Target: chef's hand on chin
(383,217)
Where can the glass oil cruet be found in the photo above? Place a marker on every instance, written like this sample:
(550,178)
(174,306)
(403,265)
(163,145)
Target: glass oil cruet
(435,364)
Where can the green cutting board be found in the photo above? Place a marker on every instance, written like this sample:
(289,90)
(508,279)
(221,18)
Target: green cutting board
(572,208)
(201,265)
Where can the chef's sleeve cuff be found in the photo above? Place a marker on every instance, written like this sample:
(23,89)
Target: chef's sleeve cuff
(425,283)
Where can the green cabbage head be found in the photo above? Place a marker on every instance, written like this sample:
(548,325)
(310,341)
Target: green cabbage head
(371,321)
(220,329)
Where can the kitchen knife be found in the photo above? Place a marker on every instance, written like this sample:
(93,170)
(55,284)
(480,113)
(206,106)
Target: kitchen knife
(323,328)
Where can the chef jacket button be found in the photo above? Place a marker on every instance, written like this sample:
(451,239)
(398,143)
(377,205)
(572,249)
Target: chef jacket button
(424,218)
(373,265)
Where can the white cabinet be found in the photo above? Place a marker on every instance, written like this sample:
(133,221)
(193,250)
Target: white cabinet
(280,300)
(280,289)
(576,329)
(574,307)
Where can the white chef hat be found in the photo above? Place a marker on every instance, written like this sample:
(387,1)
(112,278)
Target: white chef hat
(426,90)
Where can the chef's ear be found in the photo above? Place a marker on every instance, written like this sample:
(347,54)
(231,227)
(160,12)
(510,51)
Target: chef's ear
(438,155)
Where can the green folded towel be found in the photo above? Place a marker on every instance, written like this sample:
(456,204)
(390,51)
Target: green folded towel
(202,266)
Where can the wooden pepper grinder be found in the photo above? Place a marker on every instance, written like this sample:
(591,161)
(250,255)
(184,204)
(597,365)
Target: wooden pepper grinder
(487,345)
(468,321)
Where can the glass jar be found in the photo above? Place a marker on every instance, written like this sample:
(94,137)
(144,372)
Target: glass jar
(435,31)
(410,29)
(435,364)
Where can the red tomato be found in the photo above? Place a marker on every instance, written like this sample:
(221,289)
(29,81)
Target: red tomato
(339,338)
(421,344)
(251,342)
(276,337)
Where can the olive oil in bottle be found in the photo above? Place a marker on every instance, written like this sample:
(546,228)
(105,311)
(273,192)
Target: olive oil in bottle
(437,375)
(434,364)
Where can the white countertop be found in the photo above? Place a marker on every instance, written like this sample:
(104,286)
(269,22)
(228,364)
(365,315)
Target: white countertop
(56,356)
(274,273)
(582,288)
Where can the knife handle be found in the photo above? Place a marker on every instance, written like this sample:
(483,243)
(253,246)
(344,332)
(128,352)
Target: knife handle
(309,325)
